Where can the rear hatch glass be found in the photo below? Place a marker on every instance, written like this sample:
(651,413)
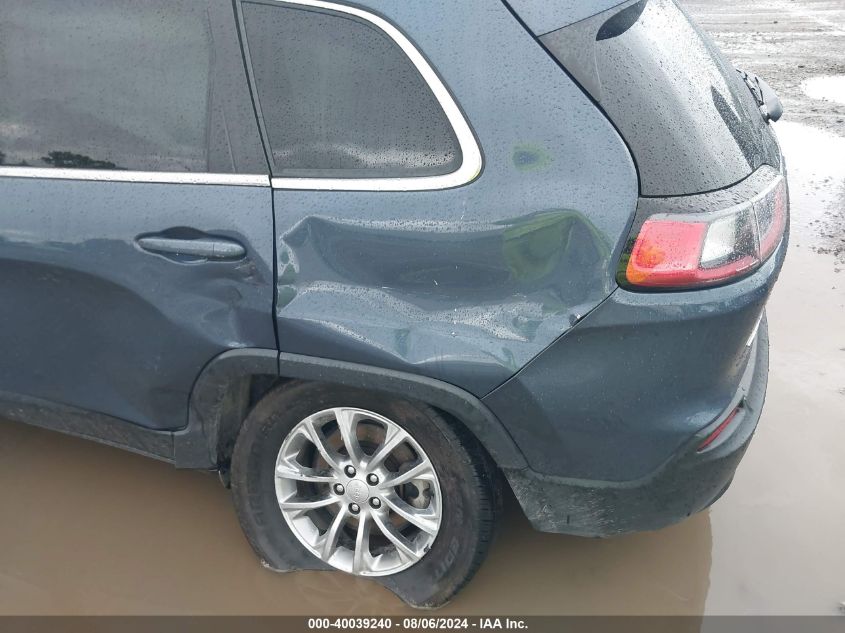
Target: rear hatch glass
(690,120)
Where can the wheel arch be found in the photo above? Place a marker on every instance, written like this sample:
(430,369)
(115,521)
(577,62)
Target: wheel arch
(232,382)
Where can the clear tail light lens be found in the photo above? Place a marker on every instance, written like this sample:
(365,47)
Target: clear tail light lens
(683,250)
(771,219)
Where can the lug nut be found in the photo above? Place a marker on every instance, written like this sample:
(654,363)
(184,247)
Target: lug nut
(375,503)
(339,489)
(354,508)
(372,479)
(350,471)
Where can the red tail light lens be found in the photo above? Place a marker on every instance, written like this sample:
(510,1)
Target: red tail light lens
(697,249)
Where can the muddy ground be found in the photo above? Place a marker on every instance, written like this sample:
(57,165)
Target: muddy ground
(88,529)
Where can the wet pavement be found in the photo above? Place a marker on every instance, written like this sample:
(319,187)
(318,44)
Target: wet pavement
(787,42)
(88,529)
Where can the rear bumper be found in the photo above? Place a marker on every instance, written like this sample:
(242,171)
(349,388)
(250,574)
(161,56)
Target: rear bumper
(689,482)
(610,416)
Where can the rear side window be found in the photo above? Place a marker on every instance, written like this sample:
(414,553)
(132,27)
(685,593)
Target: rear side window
(106,84)
(340,99)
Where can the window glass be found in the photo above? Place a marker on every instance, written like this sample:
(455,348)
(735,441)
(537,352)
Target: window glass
(105,84)
(690,121)
(340,99)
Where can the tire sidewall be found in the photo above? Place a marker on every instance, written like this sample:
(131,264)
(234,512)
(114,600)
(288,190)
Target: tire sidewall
(463,528)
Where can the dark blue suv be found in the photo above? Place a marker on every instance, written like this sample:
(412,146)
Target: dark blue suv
(374,262)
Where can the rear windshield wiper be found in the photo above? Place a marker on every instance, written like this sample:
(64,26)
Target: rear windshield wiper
(767,98)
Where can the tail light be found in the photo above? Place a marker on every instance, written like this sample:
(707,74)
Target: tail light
(684,250)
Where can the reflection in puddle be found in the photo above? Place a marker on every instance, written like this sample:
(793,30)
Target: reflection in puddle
(663,572)
(830,88)
(96,530)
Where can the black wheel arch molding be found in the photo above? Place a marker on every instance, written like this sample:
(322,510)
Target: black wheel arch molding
(220,400)
(222,396)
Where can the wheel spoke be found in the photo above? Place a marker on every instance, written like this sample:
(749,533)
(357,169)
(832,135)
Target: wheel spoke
(300,473)
(315,435)
(394,536)
(348,424)
(297,507)
(422,470)
(425,520)
(329,543)
(393,438)
(362,544)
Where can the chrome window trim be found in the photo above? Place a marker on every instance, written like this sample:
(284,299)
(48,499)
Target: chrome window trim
(470,168)
(471,162)
(163,177)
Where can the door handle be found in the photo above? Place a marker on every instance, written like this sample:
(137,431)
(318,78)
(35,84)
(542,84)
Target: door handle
(200,248)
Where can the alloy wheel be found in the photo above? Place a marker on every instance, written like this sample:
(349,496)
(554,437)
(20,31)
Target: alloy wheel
(358,491)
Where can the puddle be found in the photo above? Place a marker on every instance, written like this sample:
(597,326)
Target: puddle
(815,160)
(830,88)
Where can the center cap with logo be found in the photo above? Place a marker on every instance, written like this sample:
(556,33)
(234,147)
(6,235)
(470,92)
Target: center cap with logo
(357,491)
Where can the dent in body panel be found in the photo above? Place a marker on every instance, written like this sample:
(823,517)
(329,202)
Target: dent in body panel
(467,284)
(444,297)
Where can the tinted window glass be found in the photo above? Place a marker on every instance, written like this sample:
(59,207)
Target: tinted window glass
(340,99)
(691,122)
(105,84)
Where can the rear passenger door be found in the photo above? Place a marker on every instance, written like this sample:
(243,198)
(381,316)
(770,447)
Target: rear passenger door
(136,229)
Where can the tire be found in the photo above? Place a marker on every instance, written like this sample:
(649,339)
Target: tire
(465,491)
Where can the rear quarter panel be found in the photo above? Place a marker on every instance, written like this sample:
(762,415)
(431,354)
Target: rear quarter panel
(465,285)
